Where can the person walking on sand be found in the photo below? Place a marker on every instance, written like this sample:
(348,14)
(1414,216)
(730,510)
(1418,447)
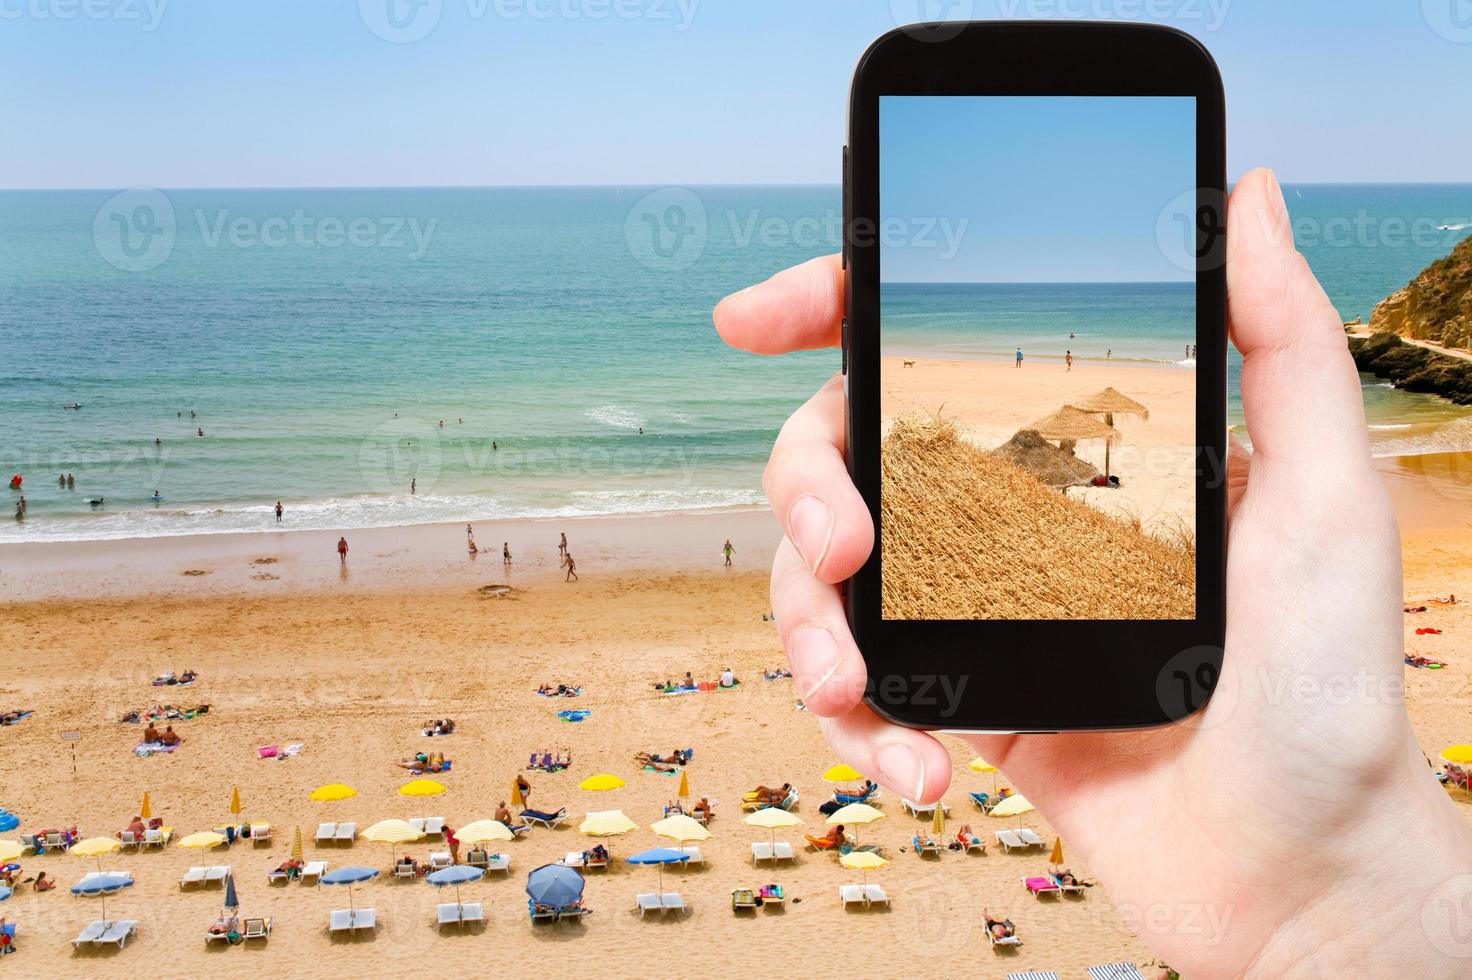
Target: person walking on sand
(413,486)
(1019,357)
(728,551)
(279,510)
(506,552)
(342,550)
(1068,358)
(562,548)
(470,536)
(1109,354)
(572,569)
(525,788)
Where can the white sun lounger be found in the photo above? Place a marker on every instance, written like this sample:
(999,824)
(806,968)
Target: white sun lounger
(210,937)
(346,832)
(326,833)
(158,837)
(434,826)
(314,870)
(1116,971)
(1031,839)
(260,833)
(655,902)
(762,850)
(453,913)
(405,871)
(501,863)
(1009,840)
(257,929)
(851,894)
(693,855)
(129,839)
(923,809)
(440,859)
(117,933)
(352,920)
(91,933)
(217,873)
(194,876)
(1012,940)
(875,894)
(550,822)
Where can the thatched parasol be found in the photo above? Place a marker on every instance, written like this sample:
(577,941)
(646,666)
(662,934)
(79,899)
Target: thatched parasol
(1029,451)
(1110,403)
(1069,424)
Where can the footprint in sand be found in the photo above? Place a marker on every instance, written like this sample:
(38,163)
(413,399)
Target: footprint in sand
(266,577)
(195,573)
(264,561)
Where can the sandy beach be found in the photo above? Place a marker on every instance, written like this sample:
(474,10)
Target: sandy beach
(290,650)
(991,400)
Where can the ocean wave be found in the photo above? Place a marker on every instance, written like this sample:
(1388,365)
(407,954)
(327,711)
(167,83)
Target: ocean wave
(616,416)
(1463,227)
(1421,439)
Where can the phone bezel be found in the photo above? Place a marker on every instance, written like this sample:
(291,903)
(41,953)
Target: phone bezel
(1038,676)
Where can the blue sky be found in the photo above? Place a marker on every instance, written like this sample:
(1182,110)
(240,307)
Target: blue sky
(178,93)
(1032,190)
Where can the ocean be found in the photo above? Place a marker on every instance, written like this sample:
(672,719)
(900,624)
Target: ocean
(319,338)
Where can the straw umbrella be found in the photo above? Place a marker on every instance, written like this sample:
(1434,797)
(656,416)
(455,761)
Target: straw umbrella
(938,822)
(1110,403)
(1028,450)
(1070,425)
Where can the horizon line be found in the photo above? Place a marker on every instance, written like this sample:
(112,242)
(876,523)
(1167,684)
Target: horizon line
(619,186)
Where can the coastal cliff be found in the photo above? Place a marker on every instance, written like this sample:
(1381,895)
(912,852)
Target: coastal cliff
(1413,368)
(1436,306)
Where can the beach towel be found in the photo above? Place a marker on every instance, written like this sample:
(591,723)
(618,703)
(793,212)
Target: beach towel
(146,749)
(573,716)
(18,720)
(1428,631)
(672,772)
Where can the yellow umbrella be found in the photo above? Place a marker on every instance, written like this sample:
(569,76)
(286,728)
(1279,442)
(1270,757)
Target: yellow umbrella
(203,840)
(842,774)
(392,832)
(1013,806)
(145,811)
(11,849)
(1457,755)
(601,783)
(235,801)
(938,822)
(1057,857)
(484,832)
(296,845)
(979,764)
(607,823)
(854,813)
(684,784)
(772,818)
(681,828)
(333,792)
(864,861)
(422,787)
(95,847)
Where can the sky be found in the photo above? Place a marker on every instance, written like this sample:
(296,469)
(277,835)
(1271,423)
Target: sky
(308,93)
(1032,189)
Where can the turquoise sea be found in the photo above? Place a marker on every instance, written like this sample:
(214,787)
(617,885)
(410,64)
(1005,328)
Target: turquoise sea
(319,338)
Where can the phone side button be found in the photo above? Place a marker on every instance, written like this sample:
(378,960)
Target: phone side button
(843,339)
(846,195)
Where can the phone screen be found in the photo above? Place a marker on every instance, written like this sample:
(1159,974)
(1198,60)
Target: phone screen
(1038,330)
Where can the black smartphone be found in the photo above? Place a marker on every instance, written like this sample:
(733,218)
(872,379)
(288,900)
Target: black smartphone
(1035,357)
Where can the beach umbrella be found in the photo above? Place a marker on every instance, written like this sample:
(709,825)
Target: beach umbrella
(938,820)
(11,849)
(772,818)
(203,840)
(555,886)
(1457,755)
(484,832)
(1013,806)
(5,893)
(422,787)
(454,877)
(1110,403)
(232,901)
(8,821)
(235,801)
(864,861)
(392,833)
(842,774)
(684,791)
(333,792)
(102,886)
(95,847)
(1057,857)
(145,811)
(979,764)
(854,814)
(660,856)
(348,876)
(681,828)
(296,845)
(1069,425)
(1028,450)
(606,823)
(601,783)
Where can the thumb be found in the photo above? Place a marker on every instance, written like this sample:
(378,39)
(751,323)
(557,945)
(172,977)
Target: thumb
(1300,390)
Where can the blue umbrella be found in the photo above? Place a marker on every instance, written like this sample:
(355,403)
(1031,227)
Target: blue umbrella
(554,885)
(660,856)
(103,885)
(231,902)
(456,875)
(8,820)
(349,876)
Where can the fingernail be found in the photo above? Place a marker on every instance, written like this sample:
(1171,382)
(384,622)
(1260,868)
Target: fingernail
(900,765)
(1276,192)
(814,655)
(811,524)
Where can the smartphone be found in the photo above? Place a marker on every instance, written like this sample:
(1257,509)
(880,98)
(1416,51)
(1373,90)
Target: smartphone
(1035,360)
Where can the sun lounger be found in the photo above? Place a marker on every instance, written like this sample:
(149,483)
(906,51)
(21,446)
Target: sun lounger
(117,933)
(440,859)
(1009,840)
(477,858)
(1031,839)
(767,851)
(501,863)
(404,870)
(455,913)
(56,841)
(1040,885)
(851,894)
(257,929)
(194,876)
(692,855)
(129,839)
(820,843)
(30,843)
(875,895)
(1012,940)
(786,804)
(326,833)
(230,925)
(217,874)
(981,800)
(1116,971)
(433,826)
(1074,889)
(924,847)
(314,870)
(260,833)
(540,913)
(352,920)
(544,819)
(742,899)
(655,902)
(923,809)
(277,877)
(346,832)
(158,837)
(971,842)
(91,933)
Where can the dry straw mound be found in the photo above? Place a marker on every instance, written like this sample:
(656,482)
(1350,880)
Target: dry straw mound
(969,535)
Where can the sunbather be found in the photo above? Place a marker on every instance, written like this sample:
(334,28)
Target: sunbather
(999,928)
(1067,877)
(503,814)
(966,837)
(43,883)
(11,717)
(703,809)
(170,737)
(137,828)
(834,838)
(924,841)
(152,735)
(598,855)
(9,873)
(424,762)
(766,794)
(778,674)
(224,925)
(652,762)
(292,869)
(860,791)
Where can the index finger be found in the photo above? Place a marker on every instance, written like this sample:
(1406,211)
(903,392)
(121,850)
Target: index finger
(799,308)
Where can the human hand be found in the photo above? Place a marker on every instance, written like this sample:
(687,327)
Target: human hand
(1258,833)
